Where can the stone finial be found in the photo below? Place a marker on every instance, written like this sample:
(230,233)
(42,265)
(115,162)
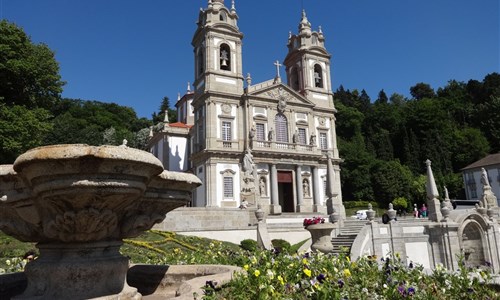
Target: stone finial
(233,6)
(178,96)
(432,191)
(166,120)
(189,87)
(150,131)
(433,205)
(249,79)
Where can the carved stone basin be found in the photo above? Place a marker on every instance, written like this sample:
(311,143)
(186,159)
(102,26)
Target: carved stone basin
(78,202)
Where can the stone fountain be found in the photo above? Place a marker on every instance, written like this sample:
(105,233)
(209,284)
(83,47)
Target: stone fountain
(78,203)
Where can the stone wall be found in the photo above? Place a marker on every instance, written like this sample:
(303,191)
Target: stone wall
(466,234)
(189,219)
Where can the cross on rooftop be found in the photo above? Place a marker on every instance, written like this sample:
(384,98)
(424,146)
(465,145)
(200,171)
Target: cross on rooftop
(278,65)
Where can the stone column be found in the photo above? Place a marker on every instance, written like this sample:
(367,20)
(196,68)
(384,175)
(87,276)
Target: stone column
(210,183)
(300,191)
(317,206)
(275,208)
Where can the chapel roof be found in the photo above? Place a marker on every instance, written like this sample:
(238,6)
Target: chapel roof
(179,125)
(492,159)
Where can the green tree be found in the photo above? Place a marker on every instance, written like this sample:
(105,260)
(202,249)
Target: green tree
(29,73)
(165,106)
(390,180)
(422,90)
(20,130)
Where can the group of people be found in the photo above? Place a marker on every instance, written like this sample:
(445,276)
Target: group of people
(420,213)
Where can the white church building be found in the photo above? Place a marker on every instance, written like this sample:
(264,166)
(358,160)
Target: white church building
(270,143)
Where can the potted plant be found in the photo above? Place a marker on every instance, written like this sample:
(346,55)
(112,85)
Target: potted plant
(320,234)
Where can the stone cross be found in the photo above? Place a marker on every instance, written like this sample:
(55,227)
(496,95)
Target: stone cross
(278,65)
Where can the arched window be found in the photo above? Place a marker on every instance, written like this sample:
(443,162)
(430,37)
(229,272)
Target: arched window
(294,79)
(318,76)
(223,16)
(200,61)
(281,125)
(225,57)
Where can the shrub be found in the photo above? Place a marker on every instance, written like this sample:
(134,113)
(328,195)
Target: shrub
(400,203)
(281,245)
(249,245)
(359,204)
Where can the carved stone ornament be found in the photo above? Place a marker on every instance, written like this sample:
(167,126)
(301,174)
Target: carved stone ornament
(322,121)
(226,109)
(78,202)
(282,96)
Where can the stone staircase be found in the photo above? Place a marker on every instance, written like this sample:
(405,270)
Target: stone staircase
(344,240)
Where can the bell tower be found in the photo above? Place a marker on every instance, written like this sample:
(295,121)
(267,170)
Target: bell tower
(217,50)
(308,64)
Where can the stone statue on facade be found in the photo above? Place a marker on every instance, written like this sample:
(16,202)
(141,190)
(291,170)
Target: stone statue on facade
(248,164)
(295,137)
(262,187)
(488,200)
(312,140)
(270,135)
(252,132)
(305,188)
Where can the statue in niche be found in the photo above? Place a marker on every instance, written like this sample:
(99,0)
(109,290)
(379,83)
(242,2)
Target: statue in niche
(262,186)
(305,188)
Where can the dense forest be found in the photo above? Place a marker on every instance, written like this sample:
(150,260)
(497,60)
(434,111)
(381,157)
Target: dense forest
(384,142)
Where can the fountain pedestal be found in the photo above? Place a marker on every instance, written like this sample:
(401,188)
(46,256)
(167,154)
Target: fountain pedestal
(78,202)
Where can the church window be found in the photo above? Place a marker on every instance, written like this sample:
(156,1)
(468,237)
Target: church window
(225,57)
(261,135)
(314,40)
(228,186)
(226,131)
(223,16)
(302,136)
(281,125)
(323,141)
(201,61)
(294,79)
(318,76)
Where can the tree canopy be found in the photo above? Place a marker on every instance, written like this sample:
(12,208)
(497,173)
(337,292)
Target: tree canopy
(29,73)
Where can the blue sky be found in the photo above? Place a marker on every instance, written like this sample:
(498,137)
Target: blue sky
(136,52)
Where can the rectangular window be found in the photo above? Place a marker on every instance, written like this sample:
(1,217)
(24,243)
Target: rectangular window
(261,135)
(228,187)
(323,143)
(226,131)
(302,136)
(473,192)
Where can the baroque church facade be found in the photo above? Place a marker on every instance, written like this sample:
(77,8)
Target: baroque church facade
(271,144)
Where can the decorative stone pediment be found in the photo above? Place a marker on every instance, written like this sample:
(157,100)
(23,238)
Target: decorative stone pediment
(283,94)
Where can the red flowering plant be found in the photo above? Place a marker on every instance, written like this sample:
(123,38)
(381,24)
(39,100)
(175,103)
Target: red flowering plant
(314,220)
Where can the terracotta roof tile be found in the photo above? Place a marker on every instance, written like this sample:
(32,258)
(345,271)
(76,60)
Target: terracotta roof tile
(179,125)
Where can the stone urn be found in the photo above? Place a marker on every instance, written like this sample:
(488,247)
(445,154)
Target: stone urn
(445,211)
(78,202)
(321,237)
(370,213)
(391,212)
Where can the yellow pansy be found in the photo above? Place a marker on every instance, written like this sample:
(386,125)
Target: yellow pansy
(307,272)
(281,280)
(256,273)
(347,273)
(246,267)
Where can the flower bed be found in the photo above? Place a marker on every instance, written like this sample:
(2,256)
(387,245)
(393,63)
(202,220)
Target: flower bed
(319,276)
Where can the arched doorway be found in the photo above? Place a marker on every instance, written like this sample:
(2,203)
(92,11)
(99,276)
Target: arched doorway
(473,244)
